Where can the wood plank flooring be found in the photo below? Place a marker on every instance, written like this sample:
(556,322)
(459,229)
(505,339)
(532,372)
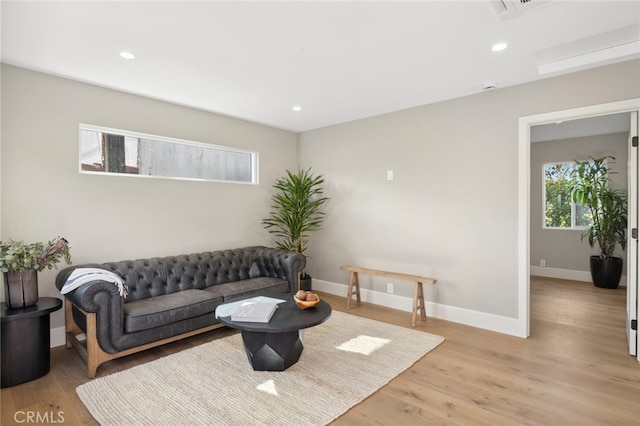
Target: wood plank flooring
(573,370)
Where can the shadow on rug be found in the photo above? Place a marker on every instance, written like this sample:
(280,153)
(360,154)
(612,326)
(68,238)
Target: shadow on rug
(344,361)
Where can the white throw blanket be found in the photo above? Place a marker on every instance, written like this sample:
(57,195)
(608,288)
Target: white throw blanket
(82,276)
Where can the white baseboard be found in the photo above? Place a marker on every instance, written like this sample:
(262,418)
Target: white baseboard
(568,274)
(478,319)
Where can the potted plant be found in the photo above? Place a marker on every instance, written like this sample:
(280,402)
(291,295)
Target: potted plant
(590,186)
(20,264)
(296,211)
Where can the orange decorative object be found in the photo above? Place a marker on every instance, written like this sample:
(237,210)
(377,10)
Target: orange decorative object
(306,304)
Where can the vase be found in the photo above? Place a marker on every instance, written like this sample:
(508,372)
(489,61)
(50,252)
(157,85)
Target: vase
(21,288)
(305,282)
(606,273)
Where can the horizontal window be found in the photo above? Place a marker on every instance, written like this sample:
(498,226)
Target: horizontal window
(111,151)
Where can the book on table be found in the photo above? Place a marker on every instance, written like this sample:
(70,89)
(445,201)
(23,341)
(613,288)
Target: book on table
(254,312)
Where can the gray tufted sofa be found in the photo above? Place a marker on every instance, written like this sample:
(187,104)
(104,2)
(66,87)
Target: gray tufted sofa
(169,298)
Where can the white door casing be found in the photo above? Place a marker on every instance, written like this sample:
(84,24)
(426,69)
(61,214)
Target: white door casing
(524,191)
(632,243)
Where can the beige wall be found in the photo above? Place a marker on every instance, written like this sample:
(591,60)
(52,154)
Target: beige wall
(452,210)
(563,249)
(112,218)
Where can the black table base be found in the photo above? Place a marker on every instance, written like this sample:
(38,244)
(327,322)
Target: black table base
(272,351)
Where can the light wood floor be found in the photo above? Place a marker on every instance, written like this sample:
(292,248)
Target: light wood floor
(573,370)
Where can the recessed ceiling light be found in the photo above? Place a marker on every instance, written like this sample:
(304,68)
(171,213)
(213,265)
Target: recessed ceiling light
(297,108)
(498,47)
(127,55)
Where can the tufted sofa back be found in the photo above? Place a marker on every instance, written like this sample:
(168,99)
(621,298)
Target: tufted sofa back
(147,278)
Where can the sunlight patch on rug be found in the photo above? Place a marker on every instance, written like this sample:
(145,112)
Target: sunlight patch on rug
(365,345)
(269,387)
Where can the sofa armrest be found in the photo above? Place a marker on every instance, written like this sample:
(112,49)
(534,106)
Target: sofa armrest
(298,262)
(101,298)
(283,264)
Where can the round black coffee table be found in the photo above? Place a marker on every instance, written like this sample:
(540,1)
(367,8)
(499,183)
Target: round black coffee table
(277,345)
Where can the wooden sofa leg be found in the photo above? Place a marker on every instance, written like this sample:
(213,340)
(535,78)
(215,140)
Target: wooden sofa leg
(68,322)
(70,326)
(91,352)
(95,355)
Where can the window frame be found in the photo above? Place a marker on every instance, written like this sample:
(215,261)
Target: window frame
(574,226)
(132,134)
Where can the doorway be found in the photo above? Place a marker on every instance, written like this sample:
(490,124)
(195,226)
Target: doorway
(524,193)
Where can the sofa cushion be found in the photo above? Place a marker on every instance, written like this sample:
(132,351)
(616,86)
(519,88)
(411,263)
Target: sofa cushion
(248,287)
(169,308)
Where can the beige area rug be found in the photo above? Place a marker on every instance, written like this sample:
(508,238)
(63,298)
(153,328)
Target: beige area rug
(344,361)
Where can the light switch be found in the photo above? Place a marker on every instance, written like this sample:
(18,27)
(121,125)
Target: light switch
(389,174)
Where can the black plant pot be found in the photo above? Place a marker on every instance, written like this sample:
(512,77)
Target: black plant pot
(305,282)
(21,288)
(606,273)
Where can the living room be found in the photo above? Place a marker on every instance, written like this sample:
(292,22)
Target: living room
(451,210)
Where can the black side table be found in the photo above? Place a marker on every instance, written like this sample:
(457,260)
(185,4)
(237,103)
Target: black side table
(26,340)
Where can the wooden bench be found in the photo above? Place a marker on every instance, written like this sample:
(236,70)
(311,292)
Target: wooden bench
(418,293)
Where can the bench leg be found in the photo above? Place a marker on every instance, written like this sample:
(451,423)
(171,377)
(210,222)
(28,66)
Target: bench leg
(353,282)
(418,304)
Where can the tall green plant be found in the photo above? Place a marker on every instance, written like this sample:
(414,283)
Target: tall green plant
(296,209)
(590,186)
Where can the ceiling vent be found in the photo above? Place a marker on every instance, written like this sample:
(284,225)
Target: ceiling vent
(511,8)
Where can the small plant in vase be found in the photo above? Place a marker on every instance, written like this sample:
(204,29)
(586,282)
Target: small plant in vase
(20,263)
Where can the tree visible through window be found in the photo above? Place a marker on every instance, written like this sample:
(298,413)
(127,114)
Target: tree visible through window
(559,210)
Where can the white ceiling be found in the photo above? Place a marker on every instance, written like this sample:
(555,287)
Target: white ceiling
(339,61)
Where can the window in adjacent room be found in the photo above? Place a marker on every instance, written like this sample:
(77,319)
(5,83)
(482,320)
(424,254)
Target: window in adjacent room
(559,211)
(112,151)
